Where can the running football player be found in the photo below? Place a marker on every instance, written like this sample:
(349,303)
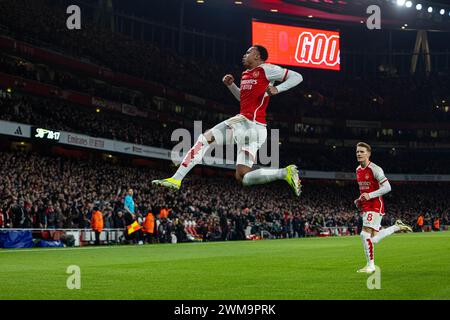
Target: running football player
(372,186)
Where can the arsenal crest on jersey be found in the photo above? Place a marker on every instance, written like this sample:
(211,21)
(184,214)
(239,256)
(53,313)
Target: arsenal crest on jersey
(256,74)
(367,177)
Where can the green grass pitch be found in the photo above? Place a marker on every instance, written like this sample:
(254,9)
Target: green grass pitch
(413,266)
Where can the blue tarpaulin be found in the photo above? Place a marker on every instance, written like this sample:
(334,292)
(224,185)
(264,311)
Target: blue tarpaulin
(15,239)
(45,243)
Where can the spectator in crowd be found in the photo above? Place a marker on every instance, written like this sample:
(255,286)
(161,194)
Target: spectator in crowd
(3,219)
(223,226)
(19,215)
(51,216)
(119,221)
(436,224)
(108,219)
(239,225)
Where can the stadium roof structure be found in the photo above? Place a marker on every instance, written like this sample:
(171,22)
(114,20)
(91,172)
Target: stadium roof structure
(394,13)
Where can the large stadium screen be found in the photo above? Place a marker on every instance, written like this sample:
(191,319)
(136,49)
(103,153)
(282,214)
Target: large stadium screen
(296,46)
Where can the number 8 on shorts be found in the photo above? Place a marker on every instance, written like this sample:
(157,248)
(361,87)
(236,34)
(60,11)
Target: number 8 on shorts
(372,220)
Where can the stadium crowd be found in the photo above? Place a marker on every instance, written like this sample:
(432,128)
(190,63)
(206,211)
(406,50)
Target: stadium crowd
(55,192)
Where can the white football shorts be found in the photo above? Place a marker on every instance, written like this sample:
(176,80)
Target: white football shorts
(372,219)
(249,136)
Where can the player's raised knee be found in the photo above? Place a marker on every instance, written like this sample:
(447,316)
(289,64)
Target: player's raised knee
(209,136)
(241,171)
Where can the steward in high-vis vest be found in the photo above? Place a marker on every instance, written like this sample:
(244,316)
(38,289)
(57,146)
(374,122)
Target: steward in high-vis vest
(164,213)
(97,224)
(148,227)
(420,223)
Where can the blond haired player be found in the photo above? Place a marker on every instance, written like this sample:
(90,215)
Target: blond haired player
(248,128)
(372,186)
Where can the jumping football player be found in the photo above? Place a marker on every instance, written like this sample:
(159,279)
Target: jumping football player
(372,186)
(248,128)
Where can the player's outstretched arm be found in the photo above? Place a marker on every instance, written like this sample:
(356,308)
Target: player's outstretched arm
(291,79)
(228,80)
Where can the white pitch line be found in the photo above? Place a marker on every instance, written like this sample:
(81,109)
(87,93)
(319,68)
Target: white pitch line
(94,248)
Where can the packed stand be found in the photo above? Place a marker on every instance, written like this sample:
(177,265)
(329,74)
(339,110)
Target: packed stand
(54,192)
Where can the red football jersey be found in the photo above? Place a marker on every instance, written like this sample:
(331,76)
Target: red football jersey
(254,82)
(369,179)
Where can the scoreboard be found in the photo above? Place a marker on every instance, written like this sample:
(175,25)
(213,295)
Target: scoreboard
(297,46)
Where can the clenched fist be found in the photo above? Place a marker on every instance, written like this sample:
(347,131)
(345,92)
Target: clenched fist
(228,80)
(271,91)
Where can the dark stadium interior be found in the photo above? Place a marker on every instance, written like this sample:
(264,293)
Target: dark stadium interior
(168,72)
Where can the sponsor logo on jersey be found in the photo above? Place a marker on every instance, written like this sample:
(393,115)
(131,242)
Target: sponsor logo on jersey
(249,81)
(248,84)
(364,185)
